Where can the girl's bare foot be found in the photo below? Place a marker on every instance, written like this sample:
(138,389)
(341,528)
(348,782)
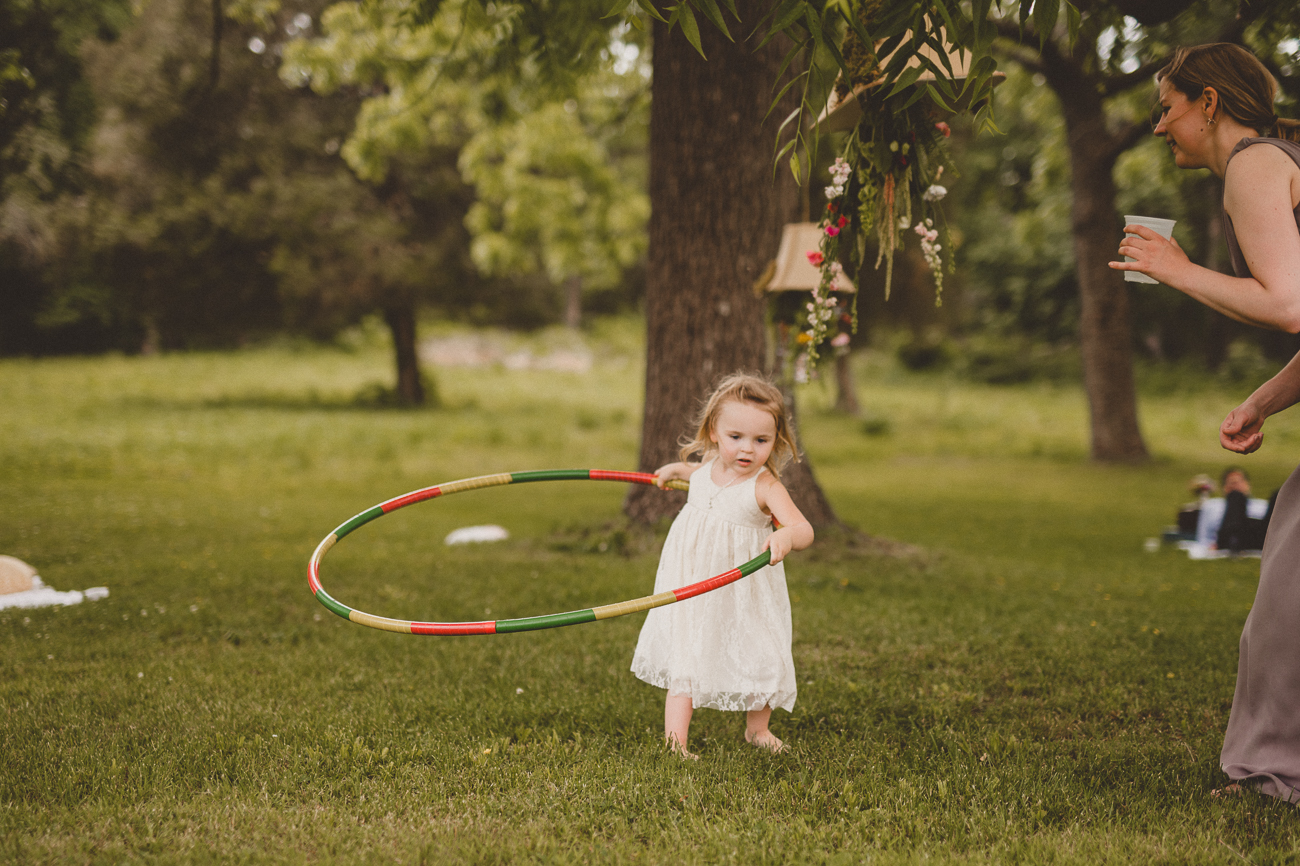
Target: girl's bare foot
(765,739)
(1233,790)
(675,746)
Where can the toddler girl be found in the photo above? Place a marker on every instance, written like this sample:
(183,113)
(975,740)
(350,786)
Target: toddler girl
(728,649)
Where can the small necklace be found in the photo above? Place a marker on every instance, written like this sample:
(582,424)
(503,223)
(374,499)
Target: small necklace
(721,488)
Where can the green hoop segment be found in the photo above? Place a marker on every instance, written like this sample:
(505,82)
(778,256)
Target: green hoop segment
(530,623)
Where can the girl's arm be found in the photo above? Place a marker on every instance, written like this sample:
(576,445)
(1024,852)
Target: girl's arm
(674,472)
(1242,429)
(796,532)
(1258,198)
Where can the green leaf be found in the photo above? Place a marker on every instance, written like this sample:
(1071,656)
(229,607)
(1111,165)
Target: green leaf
(1074,20)
(941,50)
(789,118)
(711,12)
(690,29)
(814,22)
(907,79)
(1045,15)
(618,7)
(858,28)
(652,10)
(777,99)
(939,100)
(1025,7)
(979,17)
(731,7)
(916,94)
(789,57)
(796,168)
(787,13)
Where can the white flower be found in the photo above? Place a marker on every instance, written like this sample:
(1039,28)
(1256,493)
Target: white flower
(834,192)
(904,223)
(934,192)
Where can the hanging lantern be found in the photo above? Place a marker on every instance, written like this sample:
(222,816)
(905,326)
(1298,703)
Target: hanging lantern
(792,272)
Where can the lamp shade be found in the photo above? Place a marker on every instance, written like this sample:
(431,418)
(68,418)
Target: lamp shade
(792,271)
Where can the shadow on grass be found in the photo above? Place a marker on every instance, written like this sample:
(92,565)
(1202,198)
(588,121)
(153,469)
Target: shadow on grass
(369,398)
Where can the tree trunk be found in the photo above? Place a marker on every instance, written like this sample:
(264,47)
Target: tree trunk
(573,303)
(400,317)
(1105,332)
(715,222)
(846,394)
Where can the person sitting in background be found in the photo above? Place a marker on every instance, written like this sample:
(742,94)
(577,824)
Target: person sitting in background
(1202,487)
(1236,521)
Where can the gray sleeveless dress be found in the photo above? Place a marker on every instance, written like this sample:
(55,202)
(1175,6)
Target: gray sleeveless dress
(1262,744)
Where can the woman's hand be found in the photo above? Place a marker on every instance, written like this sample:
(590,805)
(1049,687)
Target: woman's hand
(1241,430)
(1154,255)
(780,543)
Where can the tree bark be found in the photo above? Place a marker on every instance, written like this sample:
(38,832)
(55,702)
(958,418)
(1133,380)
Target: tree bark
(1105,331)
(573,303)
(400,317)
(846,393)
(715,222)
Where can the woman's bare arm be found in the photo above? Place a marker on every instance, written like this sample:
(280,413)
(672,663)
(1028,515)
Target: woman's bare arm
(1259,199)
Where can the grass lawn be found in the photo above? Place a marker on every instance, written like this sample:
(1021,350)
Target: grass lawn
(1028,685)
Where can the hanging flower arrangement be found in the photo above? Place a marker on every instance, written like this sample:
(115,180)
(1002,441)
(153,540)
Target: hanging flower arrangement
(885,183)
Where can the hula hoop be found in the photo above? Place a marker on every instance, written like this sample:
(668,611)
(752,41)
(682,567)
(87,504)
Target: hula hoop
(530,623)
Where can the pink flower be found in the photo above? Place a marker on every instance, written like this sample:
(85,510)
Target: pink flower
(832,230)
(944,128)
(840,340)
(815,259)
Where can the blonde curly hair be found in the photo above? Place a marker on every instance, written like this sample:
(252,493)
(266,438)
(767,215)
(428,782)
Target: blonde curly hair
(755,391)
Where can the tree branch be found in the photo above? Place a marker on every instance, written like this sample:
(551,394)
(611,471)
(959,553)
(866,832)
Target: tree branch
(1025,57)
(1112,84)
(1126,136)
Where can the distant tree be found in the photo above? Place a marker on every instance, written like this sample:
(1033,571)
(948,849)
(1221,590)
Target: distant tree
(1112,50)
(552,153)
(561,190)
(47,115)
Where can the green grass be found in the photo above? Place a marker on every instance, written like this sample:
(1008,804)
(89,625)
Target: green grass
(1027,686)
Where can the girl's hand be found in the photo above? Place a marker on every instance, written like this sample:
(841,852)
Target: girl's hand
(1158,257)
(672,472)
(1241,430)
(780,543)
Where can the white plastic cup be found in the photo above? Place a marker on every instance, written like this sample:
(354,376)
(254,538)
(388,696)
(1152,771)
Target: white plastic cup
(1162,227)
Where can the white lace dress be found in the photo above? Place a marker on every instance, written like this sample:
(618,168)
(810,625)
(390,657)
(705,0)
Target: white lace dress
(728,649)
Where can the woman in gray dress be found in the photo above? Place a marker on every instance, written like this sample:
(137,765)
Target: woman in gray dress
(1216,112)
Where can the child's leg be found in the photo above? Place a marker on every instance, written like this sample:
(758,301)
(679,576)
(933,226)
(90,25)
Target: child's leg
(677,722)
(756,731)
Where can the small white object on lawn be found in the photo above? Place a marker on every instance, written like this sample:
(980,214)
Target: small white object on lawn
(21,586)
(476,534)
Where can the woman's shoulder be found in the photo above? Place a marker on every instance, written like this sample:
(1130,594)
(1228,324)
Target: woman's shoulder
(1260,170)
(1268,155)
